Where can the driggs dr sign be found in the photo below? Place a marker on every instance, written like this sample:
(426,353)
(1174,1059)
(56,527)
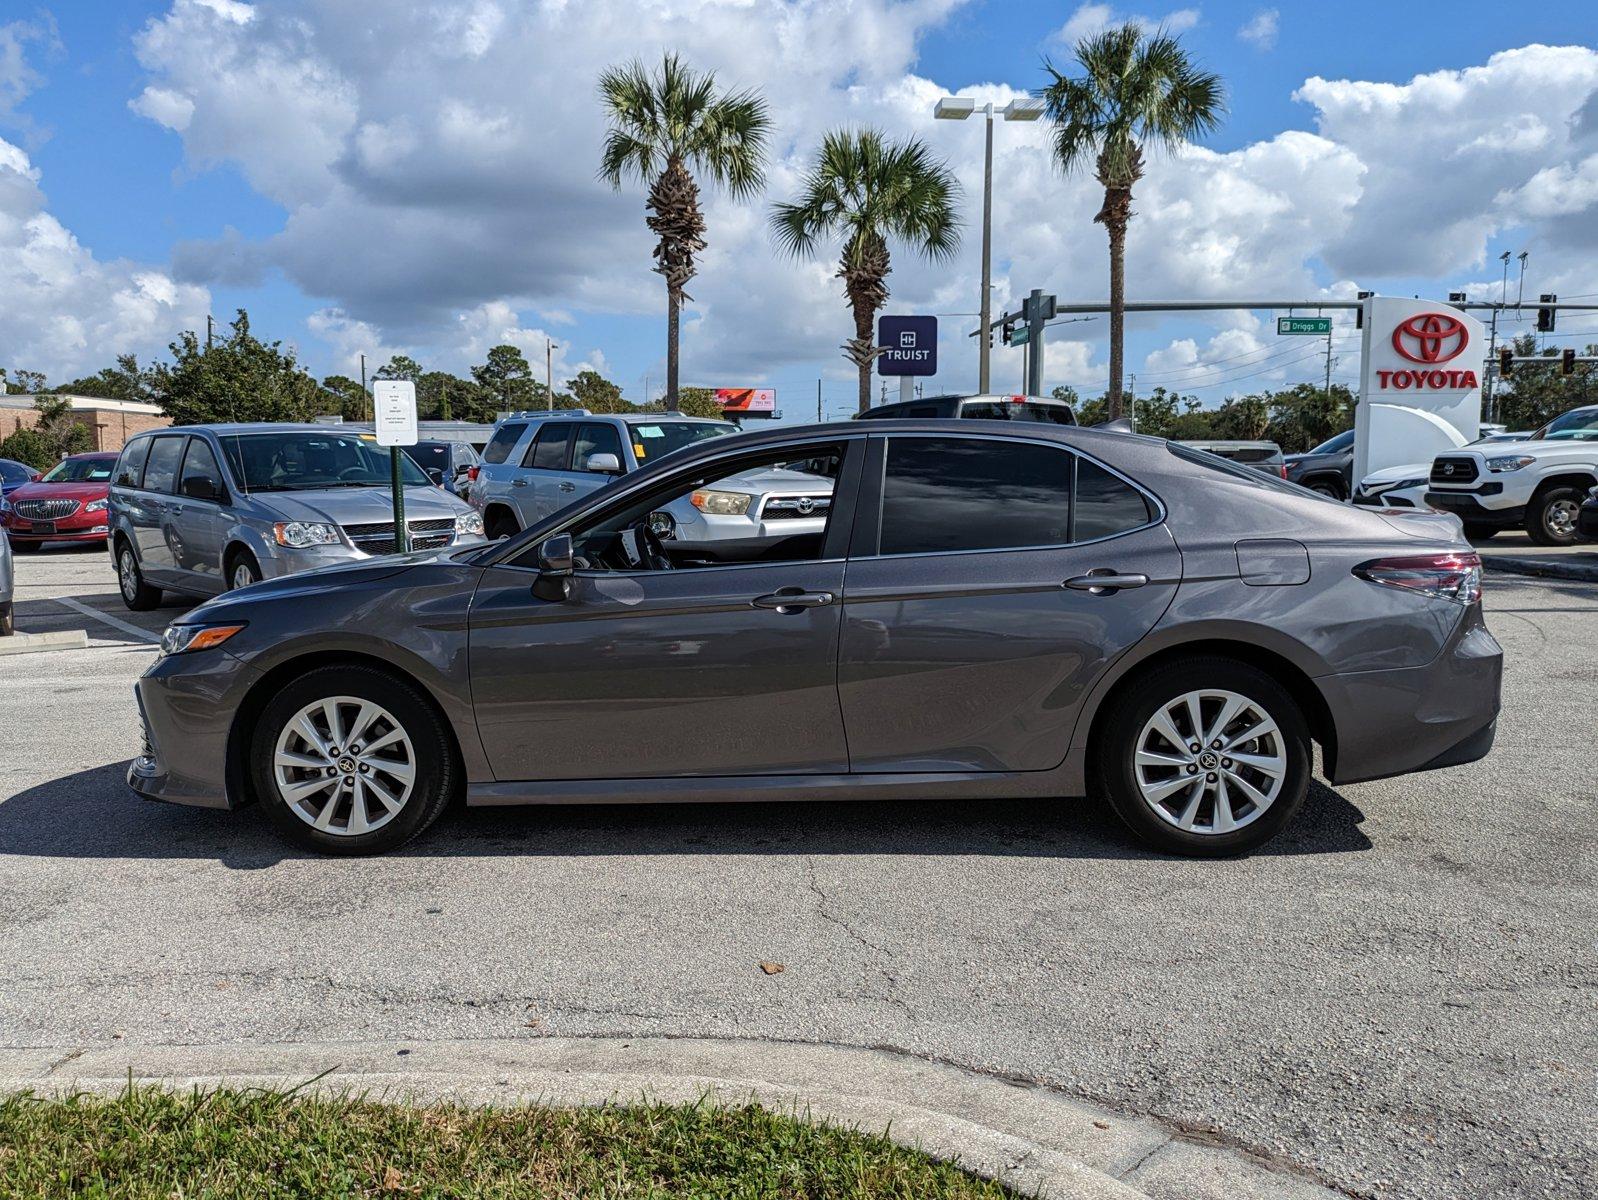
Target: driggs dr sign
(1420,392)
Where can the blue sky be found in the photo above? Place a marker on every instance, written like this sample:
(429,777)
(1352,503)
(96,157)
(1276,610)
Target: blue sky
(419,264)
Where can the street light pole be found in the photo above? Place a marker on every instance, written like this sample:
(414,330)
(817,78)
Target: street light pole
(549,375)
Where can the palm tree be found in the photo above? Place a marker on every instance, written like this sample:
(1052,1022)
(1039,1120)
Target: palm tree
(1135,89)
(663,123)
(868,190)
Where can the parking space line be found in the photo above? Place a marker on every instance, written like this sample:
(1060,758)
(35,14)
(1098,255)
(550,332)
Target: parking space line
(143,635)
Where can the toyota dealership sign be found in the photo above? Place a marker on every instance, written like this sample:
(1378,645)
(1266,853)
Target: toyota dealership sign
(1420,393)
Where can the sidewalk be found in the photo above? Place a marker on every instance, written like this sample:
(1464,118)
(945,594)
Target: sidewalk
(1034,1139)
(1518,554)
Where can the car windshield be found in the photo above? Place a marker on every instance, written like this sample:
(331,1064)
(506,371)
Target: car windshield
(659,438)
(80,470)
(1335,445)
(295,461)
(1578,425)
(431,455)
(14,472)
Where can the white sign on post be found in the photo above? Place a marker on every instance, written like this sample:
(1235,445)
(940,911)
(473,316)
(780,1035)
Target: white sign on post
(394,410)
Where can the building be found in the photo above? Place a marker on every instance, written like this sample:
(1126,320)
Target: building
(111,422)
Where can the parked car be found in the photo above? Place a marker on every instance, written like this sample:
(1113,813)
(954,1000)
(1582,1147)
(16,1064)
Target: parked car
(1265,457)
(66,504)
(447,463)
(1587,517)
(1538,484)
(8,582)
(1395,487)
(539,462)
(14,474)
(205,508)
(1327,469)
(1159,621)
(976,408)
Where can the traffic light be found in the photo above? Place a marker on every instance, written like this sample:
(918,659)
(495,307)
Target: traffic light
(1567,361)
(1008,330)
(1545,316)
(1506,362)
(1359,313)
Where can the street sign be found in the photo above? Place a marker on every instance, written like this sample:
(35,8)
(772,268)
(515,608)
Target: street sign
(1021,336)
(394,412)
(910,345)
(1317,325)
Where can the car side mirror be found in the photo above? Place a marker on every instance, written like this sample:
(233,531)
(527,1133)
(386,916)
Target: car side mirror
(604,463)
(201,489)
(555,566)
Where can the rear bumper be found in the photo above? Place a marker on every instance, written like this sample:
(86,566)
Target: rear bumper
(1468,507)
(1418,718)
(1587,521)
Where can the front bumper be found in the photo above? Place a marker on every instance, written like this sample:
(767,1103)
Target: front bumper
(187,704)
(277,561)
(1442,714)
(1468,506)
(76,528)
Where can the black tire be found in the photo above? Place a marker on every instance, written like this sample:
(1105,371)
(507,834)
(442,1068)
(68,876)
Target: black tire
(1135,704)
(1478,532)
(433,758)
(136,594)
(25,547)
(8,623)
(1327,488)
(501,525)
(1545,513)
(239,563)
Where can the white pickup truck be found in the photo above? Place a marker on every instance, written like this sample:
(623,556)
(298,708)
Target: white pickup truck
(1538,484)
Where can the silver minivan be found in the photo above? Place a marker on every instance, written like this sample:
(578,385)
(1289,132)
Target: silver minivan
(203,509)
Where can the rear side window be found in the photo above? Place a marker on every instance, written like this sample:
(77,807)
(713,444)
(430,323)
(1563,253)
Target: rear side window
(548,453)
(504,440)
(596,439)
(1106,504)
(130,467)
(161,471)
(944,495)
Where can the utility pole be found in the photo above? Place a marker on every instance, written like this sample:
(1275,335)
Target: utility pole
(208,324)
(985,341)
(549,375)
(1490,374)
(363,388)
(1328,367)
(1131,401)
(819,417)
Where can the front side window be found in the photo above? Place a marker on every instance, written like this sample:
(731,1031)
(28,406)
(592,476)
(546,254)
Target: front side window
(951,494)
(504,440)
(200,464)
(548,453)
(161,472)
(300,460)
(596,439)
(130,467)
(80,470)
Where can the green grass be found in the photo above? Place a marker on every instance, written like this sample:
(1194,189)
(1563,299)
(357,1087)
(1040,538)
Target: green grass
(150,1143)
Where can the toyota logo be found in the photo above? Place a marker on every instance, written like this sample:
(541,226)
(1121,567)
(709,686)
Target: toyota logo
(1430,338)
(805,505)
(1448,468)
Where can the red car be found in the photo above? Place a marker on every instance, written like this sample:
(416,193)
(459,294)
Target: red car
(67,505)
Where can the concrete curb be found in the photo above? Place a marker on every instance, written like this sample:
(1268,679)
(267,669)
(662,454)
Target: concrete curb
(1542,567)
(34,643)
(1029,1137)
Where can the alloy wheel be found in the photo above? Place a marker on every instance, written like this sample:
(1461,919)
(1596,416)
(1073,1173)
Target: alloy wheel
(1210,762)
(344,766)
(128,575)
(243,576)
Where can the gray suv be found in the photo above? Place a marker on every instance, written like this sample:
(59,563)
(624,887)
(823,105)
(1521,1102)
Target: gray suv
(211,507)
(539,462)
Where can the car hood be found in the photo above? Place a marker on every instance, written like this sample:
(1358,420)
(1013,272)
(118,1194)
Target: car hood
(777,480)
(360,505)
(82,492)
(1393,474)
(303,585)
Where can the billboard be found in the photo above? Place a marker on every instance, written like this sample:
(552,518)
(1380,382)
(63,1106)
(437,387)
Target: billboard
(747,402)
(909,345)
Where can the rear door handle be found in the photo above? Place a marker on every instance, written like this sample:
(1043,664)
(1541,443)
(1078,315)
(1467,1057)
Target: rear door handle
(1101,581)
(791,600)
(518,483)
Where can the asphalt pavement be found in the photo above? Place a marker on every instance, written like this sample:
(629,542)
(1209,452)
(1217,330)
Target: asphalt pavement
(1396,996)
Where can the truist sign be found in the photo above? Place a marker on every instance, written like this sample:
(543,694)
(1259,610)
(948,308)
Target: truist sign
(1421,387)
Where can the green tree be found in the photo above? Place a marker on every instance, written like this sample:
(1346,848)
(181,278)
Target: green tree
(700,402)
(23,383)
(868,190)
(125,381)
(1305,415)
(1532,396)
(591,390)
(56,433)
(1135,89)
(664,126)
(29,446)
(240,378)
(345,396)
(401,366)
(508,380)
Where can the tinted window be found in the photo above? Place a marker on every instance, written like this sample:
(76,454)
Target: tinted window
(596,439)
(200,463)
(548,453)
(161,472)
(958,494)
(499,446)
(130,467)
(14,472)
(299,460)
(1336,444)
(1253,475)
(1106,504)
(1009,410)
(430,455)
(80,470)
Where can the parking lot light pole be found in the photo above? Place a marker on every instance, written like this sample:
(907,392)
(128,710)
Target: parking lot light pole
(958,108)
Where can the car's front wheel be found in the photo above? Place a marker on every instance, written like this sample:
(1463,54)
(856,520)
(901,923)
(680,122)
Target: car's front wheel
(242,571)
(1204,756)
(351,760)
(1551,516)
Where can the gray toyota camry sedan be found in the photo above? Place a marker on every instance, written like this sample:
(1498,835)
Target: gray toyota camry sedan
(988,610)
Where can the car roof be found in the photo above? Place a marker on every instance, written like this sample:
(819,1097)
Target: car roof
(580,414)
(242,427)
(89,454)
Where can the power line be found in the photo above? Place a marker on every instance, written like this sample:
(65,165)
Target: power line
(1269,353)
(1275,362)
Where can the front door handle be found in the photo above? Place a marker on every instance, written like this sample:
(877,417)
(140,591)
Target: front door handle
(567,485)
(792,600)
(1101,581)
(518,483)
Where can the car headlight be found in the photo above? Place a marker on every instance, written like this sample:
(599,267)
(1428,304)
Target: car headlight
(183,639)
(471,522)
(299,534)
(5,506)
(1509,462)
(96,506)
(721,504)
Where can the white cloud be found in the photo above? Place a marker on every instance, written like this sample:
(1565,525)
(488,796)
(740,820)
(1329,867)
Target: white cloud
(1090,19)
(1261,29)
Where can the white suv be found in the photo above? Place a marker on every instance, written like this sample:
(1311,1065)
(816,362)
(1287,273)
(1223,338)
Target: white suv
(1538,484)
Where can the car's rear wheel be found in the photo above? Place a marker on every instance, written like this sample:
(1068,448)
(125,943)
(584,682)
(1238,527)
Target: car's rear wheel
(8,623)
(1204,756)
(500,524)
(1551,516)
(136,594)
(1327,488)
(351,760)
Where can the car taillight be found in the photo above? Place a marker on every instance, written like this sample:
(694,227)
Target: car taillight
(471,474)
(1455,577)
